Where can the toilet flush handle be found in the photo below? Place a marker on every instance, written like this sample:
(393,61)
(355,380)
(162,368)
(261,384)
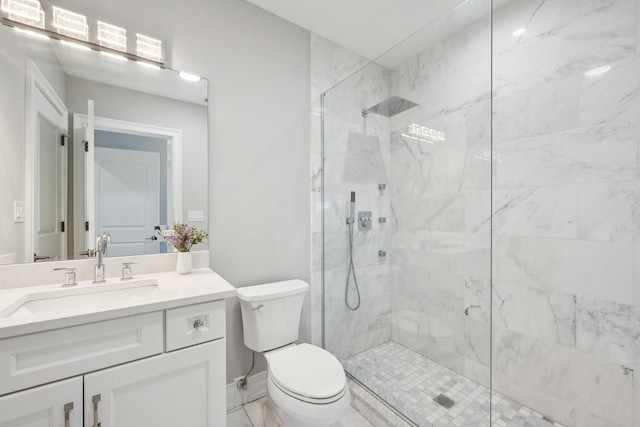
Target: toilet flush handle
(259,308)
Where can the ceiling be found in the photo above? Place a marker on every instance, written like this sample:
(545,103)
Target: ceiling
(367,27)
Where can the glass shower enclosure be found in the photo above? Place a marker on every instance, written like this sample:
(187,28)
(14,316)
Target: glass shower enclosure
(480,217)
(409,135)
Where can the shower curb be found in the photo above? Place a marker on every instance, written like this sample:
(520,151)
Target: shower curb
(371,407)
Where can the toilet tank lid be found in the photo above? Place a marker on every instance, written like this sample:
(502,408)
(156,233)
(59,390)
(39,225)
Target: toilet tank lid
(272,290)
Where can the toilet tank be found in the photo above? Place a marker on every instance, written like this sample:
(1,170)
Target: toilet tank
(271,313)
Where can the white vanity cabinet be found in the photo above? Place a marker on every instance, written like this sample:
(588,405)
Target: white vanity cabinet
(53,405)
(173,389)
(160,369)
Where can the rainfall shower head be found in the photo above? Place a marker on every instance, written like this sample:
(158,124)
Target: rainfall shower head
(390,107)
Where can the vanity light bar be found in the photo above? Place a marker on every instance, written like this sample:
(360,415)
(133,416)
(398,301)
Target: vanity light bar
(112,36)
(28,12)
(149,48)
(80,44)
(70,23)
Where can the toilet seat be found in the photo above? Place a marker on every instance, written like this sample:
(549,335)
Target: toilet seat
(308,373)
(308,399)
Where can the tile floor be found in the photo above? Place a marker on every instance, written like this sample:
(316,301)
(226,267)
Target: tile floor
(409,382)
(258,414)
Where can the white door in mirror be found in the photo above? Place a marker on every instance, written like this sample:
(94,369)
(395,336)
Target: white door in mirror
(134,176)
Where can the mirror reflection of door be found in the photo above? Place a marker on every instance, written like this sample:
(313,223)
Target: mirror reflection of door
(130,191)
(46,194)
(50,195)
(134,172)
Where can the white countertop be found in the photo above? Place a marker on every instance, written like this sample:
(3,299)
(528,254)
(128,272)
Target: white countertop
(174,290)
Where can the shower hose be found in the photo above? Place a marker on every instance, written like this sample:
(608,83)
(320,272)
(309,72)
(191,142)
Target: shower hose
(351,270)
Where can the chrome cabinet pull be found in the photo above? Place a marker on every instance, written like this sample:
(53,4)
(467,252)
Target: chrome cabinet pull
(67,408)
(95,399)
(198,324)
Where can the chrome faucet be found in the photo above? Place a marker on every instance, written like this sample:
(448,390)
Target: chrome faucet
(101,251)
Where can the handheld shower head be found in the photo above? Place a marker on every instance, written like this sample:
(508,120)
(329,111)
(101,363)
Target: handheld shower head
(352,208)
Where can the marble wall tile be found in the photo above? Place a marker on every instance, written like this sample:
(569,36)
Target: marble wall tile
(600,270)
(537,18)
(478,213)
(595,38)
(609,211)
(537,313)
(366,245)
(435,287)
(636,400)
(330,64)
(373,283)
(437,212)
(613,95)
(536,211)
(594,154)
(532,370)
(609,330)
(547,108)
(477,298)
(477,341)
(462,253)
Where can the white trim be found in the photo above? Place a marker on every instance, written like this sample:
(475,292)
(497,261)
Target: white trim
(37,82)
(174,157)
(230,397)
(90,176)
(257,388)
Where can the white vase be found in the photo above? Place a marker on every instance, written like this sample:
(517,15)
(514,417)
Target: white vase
(184,263)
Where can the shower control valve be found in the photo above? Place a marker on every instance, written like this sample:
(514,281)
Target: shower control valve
(364,220)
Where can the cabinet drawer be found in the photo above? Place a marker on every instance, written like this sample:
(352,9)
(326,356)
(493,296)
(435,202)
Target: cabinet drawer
(194,324)
(29,360)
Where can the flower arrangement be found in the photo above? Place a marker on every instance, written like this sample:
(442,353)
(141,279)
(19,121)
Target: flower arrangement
(184,236)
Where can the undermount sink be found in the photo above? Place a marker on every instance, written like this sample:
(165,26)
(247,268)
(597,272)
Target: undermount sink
(53,300)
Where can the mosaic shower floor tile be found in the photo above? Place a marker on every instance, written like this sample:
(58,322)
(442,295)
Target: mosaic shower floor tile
(409,382)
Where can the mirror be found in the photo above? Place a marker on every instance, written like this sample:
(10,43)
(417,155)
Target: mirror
(93,143)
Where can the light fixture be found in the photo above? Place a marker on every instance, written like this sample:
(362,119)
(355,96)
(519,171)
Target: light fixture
(519,32)
(71,24)
(597,71)
(416,138)
(113,56)
(424,132)
(147,47)
(189,77)
(148,65)
(75,45)
(112,36)
(32,34)
(28,12)
(72,29)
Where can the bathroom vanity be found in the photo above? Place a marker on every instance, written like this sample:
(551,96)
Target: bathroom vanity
(143,352)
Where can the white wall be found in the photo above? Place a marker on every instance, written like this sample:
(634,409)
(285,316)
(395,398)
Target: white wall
(258,70)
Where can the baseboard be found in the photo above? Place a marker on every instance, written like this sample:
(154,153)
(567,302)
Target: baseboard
(256,388)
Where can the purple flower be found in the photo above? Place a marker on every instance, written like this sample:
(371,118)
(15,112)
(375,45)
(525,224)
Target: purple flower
(185,236)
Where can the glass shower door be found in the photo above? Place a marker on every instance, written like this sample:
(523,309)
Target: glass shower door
(410,135)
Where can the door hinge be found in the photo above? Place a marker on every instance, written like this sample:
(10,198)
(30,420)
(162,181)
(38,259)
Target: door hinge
(86,146)
(86,226)
(63,139)
(62,226)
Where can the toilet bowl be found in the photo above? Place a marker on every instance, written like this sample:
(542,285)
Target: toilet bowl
(306,385)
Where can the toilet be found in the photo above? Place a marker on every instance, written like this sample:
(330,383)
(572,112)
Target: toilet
(306,384)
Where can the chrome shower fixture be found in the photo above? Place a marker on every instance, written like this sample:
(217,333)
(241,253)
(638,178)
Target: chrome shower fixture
(390,107)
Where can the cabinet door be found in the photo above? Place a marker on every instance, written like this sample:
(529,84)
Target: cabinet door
(54,405)
(182,388)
